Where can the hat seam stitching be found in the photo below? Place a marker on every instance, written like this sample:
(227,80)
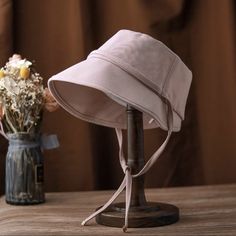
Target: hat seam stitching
(164,90)
(124,66)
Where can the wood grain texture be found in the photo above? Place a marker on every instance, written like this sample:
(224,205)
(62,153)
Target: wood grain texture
(206,210)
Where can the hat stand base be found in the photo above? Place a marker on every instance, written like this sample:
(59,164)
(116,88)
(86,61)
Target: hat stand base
(152,215)
(141,213)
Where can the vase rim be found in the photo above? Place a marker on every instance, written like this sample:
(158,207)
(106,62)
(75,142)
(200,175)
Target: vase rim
(22,134)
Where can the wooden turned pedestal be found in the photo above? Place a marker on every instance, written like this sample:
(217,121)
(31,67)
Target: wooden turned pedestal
(142,213)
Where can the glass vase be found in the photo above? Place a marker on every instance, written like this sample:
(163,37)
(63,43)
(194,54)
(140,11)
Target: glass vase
(24,170)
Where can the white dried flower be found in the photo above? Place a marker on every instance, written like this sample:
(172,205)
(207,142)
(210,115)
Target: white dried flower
(18,64)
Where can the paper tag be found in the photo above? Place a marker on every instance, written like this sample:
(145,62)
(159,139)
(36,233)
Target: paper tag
(49,141)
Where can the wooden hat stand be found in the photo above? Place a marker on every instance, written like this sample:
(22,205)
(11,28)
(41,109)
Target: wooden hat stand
(142,213)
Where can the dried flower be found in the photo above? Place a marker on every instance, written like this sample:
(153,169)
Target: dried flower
(50,103)
(1,112)
(2,74)
(15,57)
(24,72)
(22,96)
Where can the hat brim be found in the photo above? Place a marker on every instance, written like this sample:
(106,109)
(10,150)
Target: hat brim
(98,91)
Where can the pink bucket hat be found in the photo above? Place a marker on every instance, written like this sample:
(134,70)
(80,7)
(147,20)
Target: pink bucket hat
(130,68)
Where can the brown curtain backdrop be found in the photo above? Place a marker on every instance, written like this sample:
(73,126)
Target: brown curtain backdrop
(6,49)
(58,34)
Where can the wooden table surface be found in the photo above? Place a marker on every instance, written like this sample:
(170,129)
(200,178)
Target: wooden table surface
(207,210)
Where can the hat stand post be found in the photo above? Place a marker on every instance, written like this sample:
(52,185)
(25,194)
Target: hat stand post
(142,213)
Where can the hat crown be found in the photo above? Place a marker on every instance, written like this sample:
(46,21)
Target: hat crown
(153,63)
(148,56)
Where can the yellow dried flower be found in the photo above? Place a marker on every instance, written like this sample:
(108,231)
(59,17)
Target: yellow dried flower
(24,72)
(2,74)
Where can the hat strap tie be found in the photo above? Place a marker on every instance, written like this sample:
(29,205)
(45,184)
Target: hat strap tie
(127,181)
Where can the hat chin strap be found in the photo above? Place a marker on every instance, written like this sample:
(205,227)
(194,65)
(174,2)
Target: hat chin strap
(127,181)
